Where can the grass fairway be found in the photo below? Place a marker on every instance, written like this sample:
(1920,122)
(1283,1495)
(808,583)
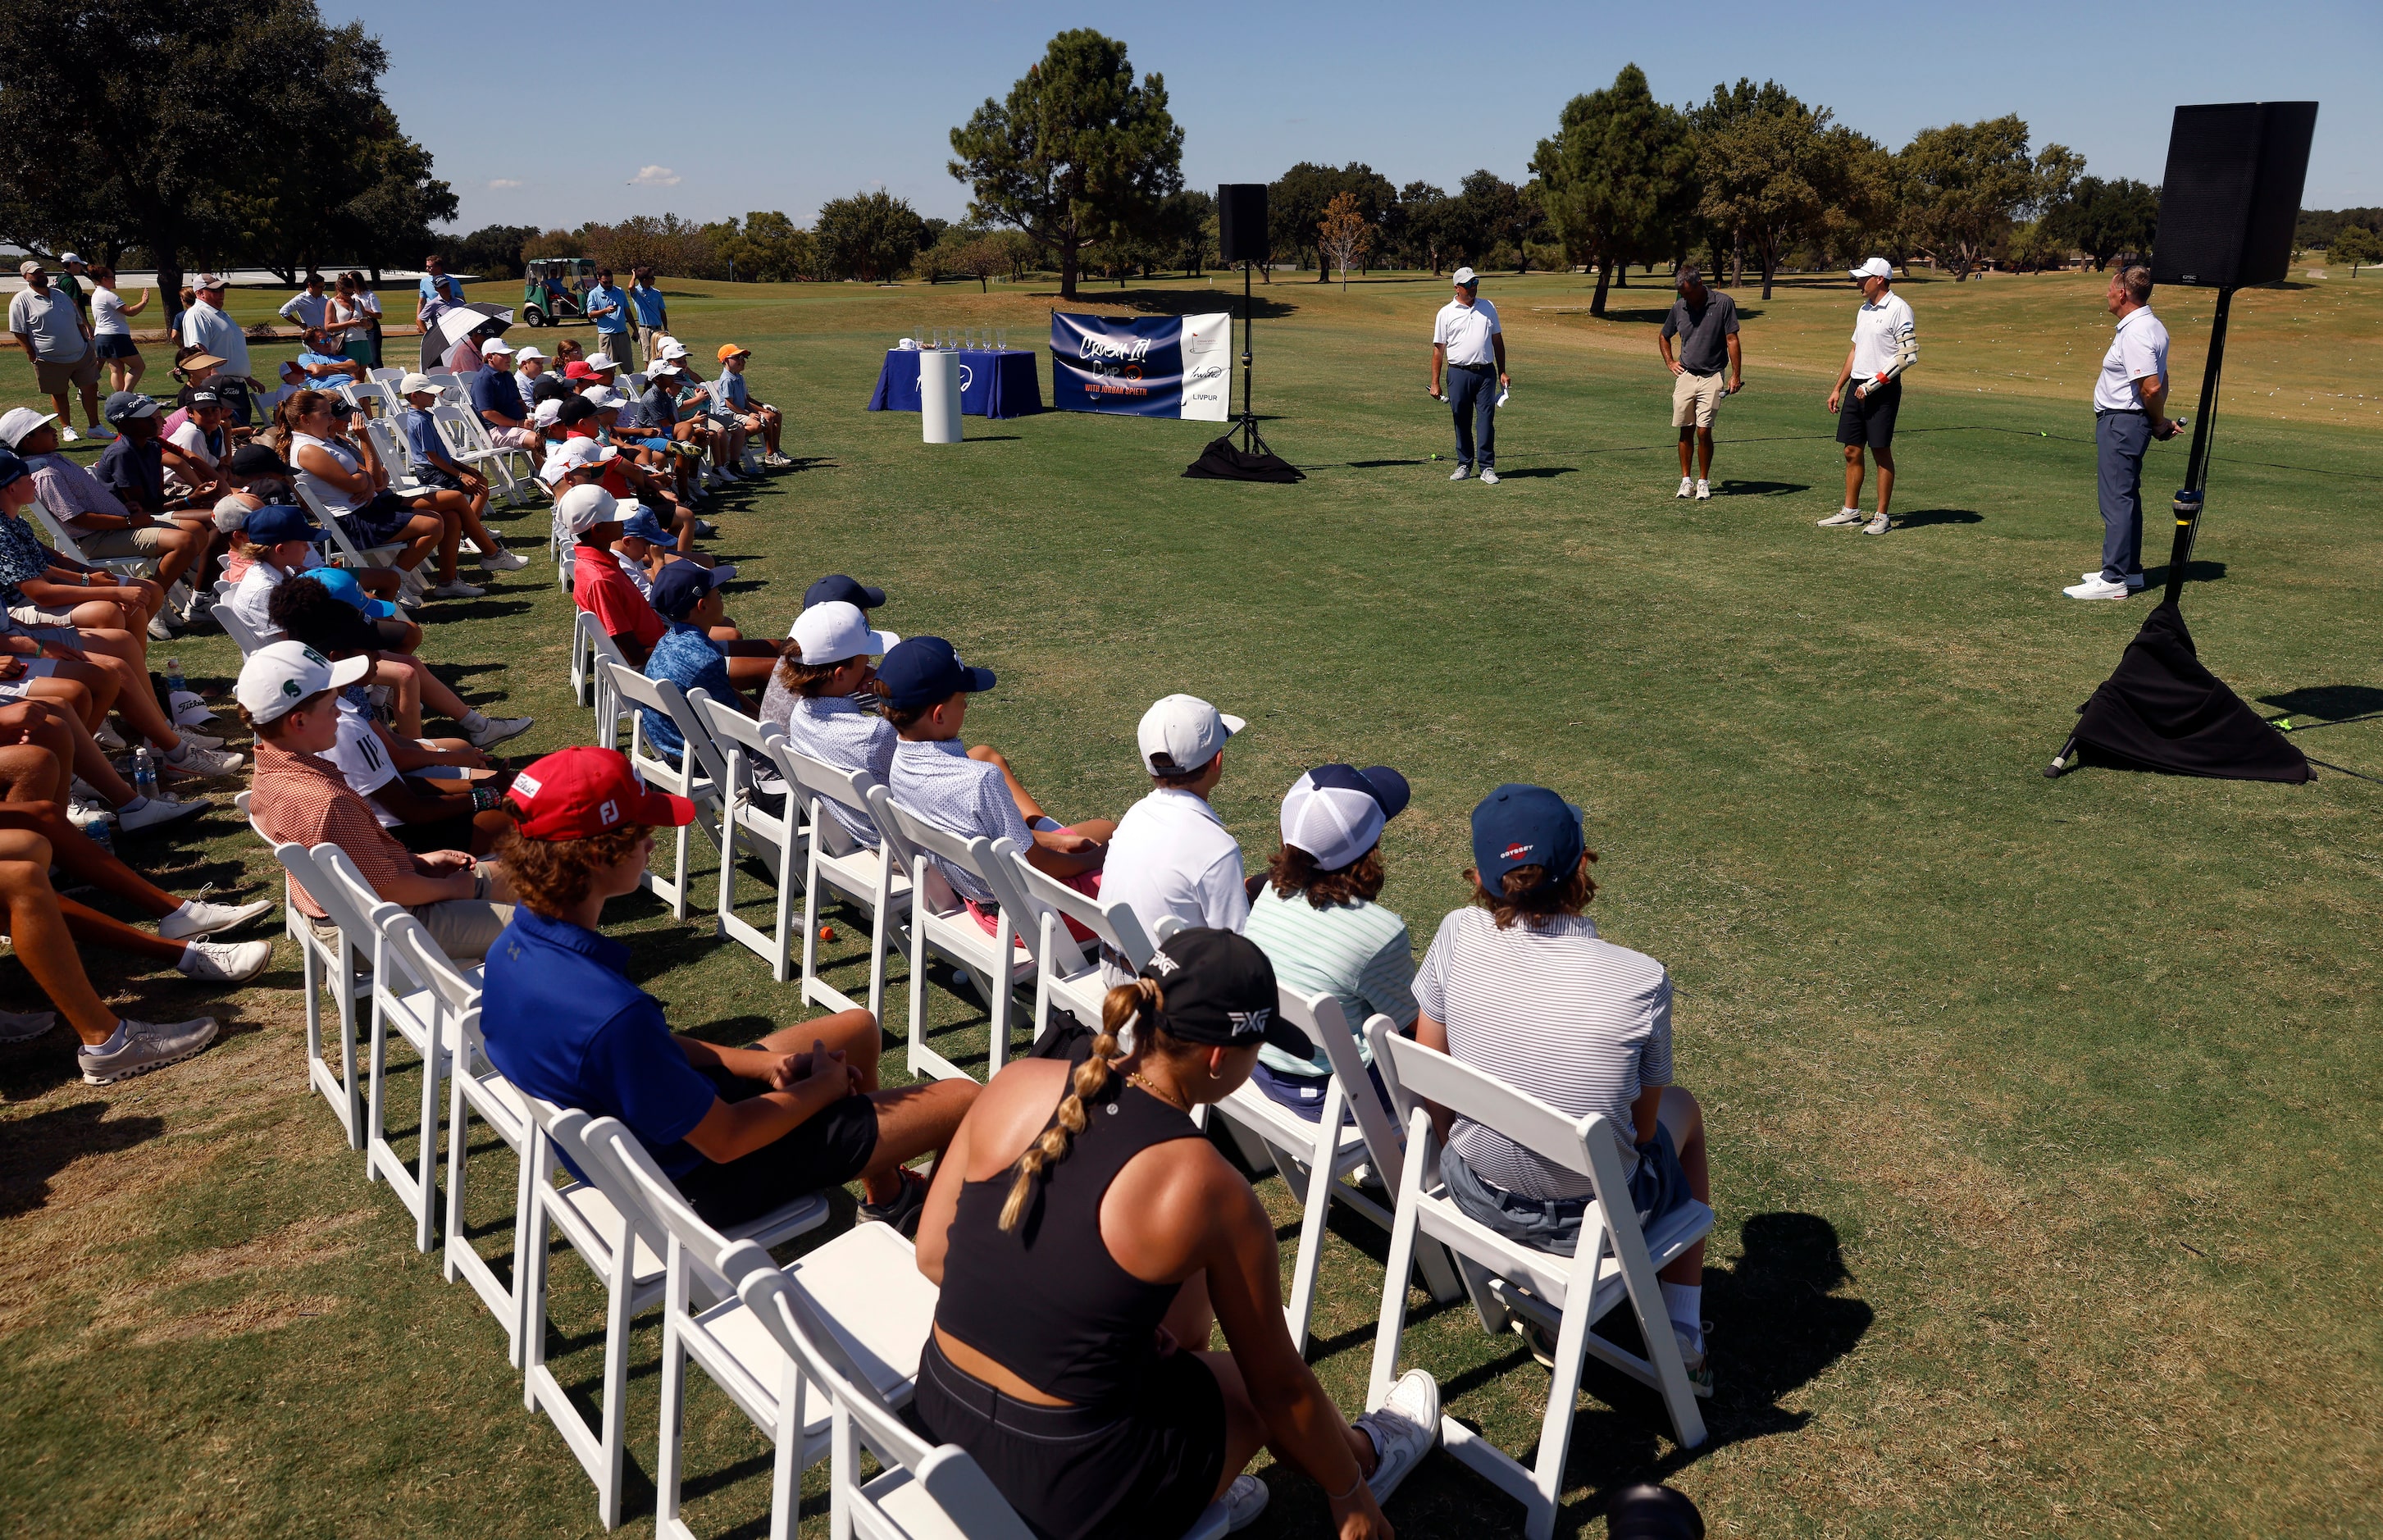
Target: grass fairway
(2044,1113)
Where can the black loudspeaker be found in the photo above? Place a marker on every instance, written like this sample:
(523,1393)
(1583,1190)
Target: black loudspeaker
(1242,221)
(2231,196)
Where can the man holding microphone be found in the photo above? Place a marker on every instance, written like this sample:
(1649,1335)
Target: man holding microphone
(1468,346)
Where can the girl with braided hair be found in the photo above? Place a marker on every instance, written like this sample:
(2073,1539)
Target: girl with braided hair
(1086,1237)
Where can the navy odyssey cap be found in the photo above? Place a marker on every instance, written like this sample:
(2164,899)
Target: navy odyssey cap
(1524,826)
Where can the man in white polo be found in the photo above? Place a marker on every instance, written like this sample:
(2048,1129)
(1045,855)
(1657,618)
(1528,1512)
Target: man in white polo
(1170,854)
(1884,345)
(1468,347)
(205,325)
(2130,410)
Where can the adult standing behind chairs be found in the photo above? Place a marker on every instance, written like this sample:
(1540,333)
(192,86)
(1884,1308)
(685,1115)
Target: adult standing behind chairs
(111,331)
(2130,410)
(1884,345)
(435,295)
(1705,324)
(609,308)
(1084,1238)
(207,327)
(58,344)
(652,314)
(310,308)
(1468,346)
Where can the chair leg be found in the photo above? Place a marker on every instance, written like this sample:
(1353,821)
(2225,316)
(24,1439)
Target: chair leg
(612,1440)
(427,1158)
(786,1460)
(781,952)
(1312,1225)
(1555,1427)
(458,1137)
(376,1106)
(667,1458)
(1393,1323)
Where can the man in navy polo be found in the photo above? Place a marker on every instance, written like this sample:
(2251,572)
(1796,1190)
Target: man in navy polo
(741,1130)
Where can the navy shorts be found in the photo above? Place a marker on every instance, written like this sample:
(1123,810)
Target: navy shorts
(828,1149)
(109,344)
(1305,1093)
(1870,419)
(1658,1186)
(378,521)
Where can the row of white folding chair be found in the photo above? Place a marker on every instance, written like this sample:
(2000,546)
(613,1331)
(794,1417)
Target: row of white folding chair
(590,685)
(1616,1263)
(354,558)
(699,773)
(467,442)
(62,540)
(324,963)
(629,1260)
(390,445)
(942,922)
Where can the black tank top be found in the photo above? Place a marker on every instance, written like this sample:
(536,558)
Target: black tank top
(1046,1300)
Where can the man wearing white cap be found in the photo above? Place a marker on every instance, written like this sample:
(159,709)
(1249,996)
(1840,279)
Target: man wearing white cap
(207,327)
(1467,344)
(1884,345)
(1171,854)
(829,660)
(57,340)
(497,396)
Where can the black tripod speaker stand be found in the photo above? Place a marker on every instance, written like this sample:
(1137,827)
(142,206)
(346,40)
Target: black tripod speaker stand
(1252,442)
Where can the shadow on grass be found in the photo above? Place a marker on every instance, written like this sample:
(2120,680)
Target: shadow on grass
(1733,488)
(1656,316)
(2194,571)
(1377,465)
(40,1146)
(1531,471)
(1939,516)
(2332,702)
(1183,302)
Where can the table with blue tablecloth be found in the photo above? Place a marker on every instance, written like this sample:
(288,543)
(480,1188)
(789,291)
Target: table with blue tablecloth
(993,383)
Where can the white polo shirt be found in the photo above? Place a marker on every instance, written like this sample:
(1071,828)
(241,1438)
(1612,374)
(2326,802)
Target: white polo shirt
(253,596)
(1466,331)
(2138,350)
(1171,856)
(1879,332)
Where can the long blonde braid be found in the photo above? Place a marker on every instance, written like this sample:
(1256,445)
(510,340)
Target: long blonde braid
(1119,1009)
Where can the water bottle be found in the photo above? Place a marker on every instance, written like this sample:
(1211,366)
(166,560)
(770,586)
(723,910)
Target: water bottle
(101,831)
(144,773)
(173,676)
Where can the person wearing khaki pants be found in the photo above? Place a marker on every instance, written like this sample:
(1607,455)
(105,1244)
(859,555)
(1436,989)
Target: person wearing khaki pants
(1705,324)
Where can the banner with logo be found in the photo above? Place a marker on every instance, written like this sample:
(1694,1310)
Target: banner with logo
(1164,366)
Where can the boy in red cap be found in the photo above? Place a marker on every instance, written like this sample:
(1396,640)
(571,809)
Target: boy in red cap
(741,1130)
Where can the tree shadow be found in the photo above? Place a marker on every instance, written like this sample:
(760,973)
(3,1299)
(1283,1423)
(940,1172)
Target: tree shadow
(1939,516)
(1657,316)
(992,439)
(1178,301)
(2331,702)
(1735,488)
(40,1146)
(2194,571)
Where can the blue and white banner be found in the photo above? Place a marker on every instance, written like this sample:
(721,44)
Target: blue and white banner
(1171,366)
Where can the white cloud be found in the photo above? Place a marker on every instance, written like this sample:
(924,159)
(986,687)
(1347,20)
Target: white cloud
(655,176)
(503,184)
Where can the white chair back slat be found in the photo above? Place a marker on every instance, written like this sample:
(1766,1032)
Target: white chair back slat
(941,922)
(237,629)
(699,774)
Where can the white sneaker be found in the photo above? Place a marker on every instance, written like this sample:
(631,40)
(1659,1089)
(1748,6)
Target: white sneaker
(67,435)
(1244,1501)
(1687,487)
(159,811)
(197,739)
(225,962)
(197,917)
(1488,477)
(192,761)
(25,1026)
(2095,589)
(504,561)
(1460,472)
(147,1047)
(159,630)
(408,599)
(496,730)
(1878,525)
(1704,490)
(2134,580)
(1404,1429)
(777,461)
(108,737)
(1844,518)
(458,589)
(1697,1361)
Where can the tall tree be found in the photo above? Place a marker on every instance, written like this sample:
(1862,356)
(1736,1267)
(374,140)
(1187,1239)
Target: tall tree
(770,248)
(1344,235)
(1969,181)
(1773,170)
(1078,151)
(2356,245)
(1297,201)
(2104,219)
(1413,225)
(869,236)
(1619,176)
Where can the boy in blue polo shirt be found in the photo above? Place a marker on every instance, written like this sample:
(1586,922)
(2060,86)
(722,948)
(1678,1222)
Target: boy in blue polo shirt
(741,1130)
(458,487)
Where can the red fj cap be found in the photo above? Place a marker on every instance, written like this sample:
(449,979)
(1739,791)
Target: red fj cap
(580,793)
(577,369)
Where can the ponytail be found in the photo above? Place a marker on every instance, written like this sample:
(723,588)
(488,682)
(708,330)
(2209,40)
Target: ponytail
(1124,1005)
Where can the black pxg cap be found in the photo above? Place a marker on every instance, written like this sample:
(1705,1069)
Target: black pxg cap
(1219,988)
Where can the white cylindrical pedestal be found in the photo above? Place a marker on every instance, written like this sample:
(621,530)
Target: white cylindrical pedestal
(939,396)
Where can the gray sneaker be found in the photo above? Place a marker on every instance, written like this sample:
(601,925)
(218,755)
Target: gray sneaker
(1697,1361)
(1460,472)
(1878,525)
(1844,518)
(1488,477)
(497,729)
(25,1026)
(190,759)
(147,1047)
(1244,1501)
(1404,1429)
(198,918)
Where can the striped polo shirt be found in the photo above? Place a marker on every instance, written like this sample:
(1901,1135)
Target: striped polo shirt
(1357,953)
(1558,1013)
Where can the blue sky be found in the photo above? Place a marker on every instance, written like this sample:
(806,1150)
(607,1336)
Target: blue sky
(712,111)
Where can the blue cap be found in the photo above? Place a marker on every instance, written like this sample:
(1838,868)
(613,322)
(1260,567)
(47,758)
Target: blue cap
(1382,783)
(925,670)
(341,584)
(838,586)
(1523,826)
(272,525)
(680,587)
(646,527)
(12,470)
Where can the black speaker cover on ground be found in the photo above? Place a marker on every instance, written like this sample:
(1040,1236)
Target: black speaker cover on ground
(2163,712)
(1223,460)
(2231,196)
(1242,221)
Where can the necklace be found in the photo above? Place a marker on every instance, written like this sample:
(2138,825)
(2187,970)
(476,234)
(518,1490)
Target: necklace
(1138,1078)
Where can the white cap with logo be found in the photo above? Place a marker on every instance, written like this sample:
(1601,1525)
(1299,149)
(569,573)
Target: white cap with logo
(1876,267)
(835,630)
(1181,733)
(583,508)
(278,677)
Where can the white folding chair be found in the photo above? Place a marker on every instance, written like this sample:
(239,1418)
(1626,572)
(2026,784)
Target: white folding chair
(467,442)
(1617,1262)
(473,1086)
(323,965)
(391,450)
(62,540)
(356,558)
(941,922)
(870,1274)
(700,775)
(924,1492)
(590,649)
(237,629)
(778,837)
(629,1266)
(1069,973)
(363,916)
(867,876)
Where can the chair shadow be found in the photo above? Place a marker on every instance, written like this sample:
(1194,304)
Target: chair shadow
(2194,571)
(40,1146)
(991,438)
(1939,516)
(2332,702)
(1734,489)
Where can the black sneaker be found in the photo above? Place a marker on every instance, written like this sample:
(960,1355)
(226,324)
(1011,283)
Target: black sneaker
(903,1210)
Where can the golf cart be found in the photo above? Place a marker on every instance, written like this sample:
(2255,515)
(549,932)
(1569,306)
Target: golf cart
(554,290)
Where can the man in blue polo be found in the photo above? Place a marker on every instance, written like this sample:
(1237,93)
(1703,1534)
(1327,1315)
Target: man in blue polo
(653,314)
(609,308)
(437,294)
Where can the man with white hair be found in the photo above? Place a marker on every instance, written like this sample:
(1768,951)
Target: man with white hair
(1884,345)
(497,396)
(56,341)
(1468,346)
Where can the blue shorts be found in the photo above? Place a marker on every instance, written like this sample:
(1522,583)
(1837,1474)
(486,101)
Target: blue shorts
(657,445)
(113,344)
(1305,1093)
(1658,1186)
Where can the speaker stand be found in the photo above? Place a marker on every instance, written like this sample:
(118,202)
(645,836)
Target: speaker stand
(2196,466)
(1247,424)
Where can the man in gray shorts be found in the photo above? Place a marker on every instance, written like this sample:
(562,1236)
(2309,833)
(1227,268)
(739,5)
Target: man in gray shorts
(1705,324)
(57,340)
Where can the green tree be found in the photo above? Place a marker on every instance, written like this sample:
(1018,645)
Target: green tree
(2356,245)
(769,248)
(1077,152)
(2106,219)
(491,249)
(1297,201)
(1968,182)
(1187,229)
(1618,178)
(1411,226)
(869,236)
(1772,170)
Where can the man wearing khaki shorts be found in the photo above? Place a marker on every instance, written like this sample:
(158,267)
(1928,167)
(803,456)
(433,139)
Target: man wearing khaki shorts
(57,340)
(1705,324)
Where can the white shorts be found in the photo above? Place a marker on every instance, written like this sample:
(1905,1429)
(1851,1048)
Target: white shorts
(35,668)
